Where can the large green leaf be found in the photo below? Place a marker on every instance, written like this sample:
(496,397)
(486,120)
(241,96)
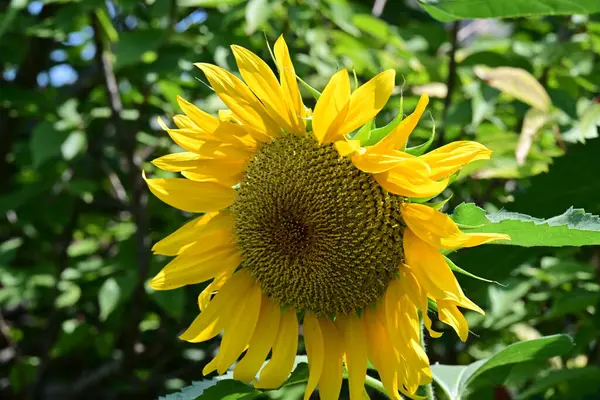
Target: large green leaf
(572,179)
(452,10)
(190,392)
(457,381)
(574,227)
(578,375)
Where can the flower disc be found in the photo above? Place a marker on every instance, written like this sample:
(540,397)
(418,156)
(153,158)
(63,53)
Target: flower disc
(317,233)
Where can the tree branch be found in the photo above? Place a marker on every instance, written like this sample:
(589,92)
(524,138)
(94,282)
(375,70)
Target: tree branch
(138,198)
(451,80)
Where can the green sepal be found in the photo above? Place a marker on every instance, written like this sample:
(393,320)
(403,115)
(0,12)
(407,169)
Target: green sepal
(364,133)
(308,124)
(380,133)
(439,204)
(355,79)
(432,305)
(458,269)
(271,51)
(315,93)
(422,148)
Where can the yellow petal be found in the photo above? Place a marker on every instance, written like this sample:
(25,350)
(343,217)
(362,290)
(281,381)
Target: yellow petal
(346,147)
(261,342)
(355,346)
(372,162)
(201,119)
(289,83)
(411,287)
(381,352)
(211,321)
(450,158)
(222,177)
(398,137)
(331,108)
(185,122)
(404,330)
(195,268)
(450,314)
(226,172)
(205,296)
(313,340)
(177,162)
(220,129)
(433,273)
(284,352)
(261,80)
(191,196)
(368,100)
(240,100)
(211,366)
(330,383)
(239,331)
(199,229)
(404,181)
(438,229)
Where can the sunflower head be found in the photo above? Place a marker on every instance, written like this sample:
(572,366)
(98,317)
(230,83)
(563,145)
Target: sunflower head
(303,224)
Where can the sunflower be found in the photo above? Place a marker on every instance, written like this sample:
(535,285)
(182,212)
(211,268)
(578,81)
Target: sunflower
(302,225)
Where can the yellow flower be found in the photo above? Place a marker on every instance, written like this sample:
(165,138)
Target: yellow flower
(309,227)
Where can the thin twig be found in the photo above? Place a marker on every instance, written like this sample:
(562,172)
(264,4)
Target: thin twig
(378,7)
(138,193)
(53,325)
(451,80)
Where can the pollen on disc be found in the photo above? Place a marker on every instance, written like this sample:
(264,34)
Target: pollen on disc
(317,233)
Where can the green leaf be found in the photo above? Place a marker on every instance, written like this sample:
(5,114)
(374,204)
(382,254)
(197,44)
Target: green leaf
(553,378)
(108,297)
(458,269)
(574,227)
(229,389)
(172,302)
(133,45)
(257,13)
(70,294)
(453,10)
(46,143)
(208,3)
(74,144)
(516,82)
(457,381)
(190,392)
(587,128)
(571,180)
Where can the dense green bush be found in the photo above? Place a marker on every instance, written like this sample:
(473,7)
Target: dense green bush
(82,83)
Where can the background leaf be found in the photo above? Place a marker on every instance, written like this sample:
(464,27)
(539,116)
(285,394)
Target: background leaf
(574,227)
(449,10)
(458,381)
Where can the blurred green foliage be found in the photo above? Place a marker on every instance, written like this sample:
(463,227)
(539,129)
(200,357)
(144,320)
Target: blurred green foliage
(81,85)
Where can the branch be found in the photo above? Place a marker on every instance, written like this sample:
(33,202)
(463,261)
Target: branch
(52,328)
(451,80)
(138,191)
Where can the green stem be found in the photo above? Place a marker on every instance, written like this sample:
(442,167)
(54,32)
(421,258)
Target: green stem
(371,382)
(375,384)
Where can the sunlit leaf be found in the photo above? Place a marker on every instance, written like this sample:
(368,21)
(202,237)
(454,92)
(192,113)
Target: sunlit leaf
(452,10)
(518,83)
(574,227)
